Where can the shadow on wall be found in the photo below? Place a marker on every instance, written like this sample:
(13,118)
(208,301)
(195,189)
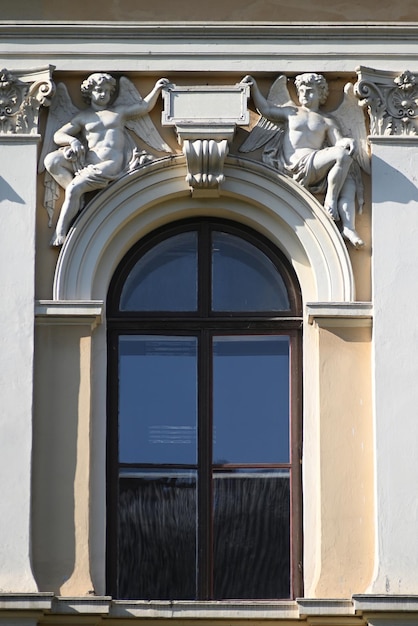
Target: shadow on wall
(391,181)
(8,193)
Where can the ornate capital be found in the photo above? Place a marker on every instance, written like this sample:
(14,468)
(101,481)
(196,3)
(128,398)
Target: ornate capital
(21,96)
(391,99)
(205,118)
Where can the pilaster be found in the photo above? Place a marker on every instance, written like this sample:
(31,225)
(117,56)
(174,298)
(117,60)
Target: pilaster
(21,95)
(392,101)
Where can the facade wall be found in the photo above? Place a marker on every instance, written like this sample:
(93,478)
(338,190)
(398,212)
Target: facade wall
(233,11)
(356,565)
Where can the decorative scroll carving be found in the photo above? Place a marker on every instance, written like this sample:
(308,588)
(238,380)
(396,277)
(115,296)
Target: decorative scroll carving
(205,118)
(391,100)
(205,162)
(21,96)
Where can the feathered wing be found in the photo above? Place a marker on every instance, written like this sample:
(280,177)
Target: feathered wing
(351,120)
(142,126)
(61,111)
(265,130)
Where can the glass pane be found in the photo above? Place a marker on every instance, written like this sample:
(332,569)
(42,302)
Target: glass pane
(157,536)
(157,399)
(244,278)
(252,535)
(251,399)
(165,278)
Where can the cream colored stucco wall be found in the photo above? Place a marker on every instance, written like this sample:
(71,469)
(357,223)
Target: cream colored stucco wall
(61,460)
(346,462)
(233,10)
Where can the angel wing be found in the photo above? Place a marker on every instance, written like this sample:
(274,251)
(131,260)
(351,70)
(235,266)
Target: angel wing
(61,111)
(142,126)
(351,120)
(265,130)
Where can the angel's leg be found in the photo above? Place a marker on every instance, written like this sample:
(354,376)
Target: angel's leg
(70,207)
(60,168)
(347,210)
(333,163)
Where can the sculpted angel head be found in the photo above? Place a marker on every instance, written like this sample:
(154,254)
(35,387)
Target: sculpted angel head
(100,86)
(312,81)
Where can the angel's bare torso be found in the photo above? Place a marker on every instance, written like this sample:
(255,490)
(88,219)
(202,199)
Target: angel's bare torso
(307,132)
(104,134)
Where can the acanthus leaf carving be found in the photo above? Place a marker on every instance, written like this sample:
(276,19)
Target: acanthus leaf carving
(391,100)
(21,96)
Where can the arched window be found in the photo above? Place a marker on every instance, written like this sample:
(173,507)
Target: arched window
(204,414)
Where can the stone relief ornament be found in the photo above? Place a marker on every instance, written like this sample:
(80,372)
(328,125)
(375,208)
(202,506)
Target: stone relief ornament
(205,118)
(391,100)
(85,150)
(21,96)
(323,152)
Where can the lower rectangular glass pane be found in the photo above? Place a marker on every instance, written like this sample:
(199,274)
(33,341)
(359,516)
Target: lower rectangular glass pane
(252,534)
(157,535)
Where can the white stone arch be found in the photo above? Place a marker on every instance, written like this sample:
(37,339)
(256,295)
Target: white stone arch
(158,194)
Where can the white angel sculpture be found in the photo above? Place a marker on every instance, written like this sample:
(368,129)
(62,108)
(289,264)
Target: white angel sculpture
(322,152)
(94,147)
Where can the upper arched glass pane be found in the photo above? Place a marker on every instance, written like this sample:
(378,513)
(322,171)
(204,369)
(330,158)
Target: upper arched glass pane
(244,278)
(164,278)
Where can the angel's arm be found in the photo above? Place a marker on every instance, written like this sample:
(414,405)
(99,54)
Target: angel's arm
(67,135)
(145,105)
(336,138)
(271,111)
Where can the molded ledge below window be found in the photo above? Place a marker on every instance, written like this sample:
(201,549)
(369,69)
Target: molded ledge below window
(340,314)
(69,312)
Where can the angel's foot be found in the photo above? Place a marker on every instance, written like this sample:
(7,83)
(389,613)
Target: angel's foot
(57,241)
(332,212)
(353,237)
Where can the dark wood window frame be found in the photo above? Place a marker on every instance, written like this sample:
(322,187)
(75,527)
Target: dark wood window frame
(205,324)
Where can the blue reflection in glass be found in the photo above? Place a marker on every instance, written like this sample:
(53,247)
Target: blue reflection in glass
(157,399)
(251,399)
(244,278)
(165,278)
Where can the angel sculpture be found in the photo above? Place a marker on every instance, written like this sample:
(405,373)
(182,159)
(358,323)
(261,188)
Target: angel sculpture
(94,147)
(322,152)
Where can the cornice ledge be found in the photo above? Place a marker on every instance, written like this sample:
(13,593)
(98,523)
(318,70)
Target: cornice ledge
(339,314)
(133,29)
(383,603)
(204,609)
(96,605)
(69,312)
(311,607)
(41,601)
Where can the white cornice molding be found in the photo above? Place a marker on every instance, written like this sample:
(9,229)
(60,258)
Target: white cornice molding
(69,313)
(217,46)
(339,314)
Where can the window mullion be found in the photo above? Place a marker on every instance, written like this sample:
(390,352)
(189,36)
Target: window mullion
(205,533)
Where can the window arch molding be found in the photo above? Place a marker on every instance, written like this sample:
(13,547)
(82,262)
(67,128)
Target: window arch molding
(158,194)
